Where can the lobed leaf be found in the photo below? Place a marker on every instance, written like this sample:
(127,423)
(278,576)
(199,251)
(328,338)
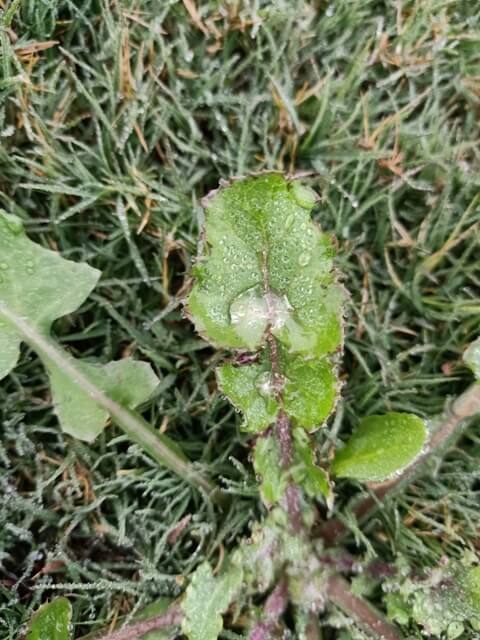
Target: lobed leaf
(266,264)
(206,598)
(52,621)
(310,390)
(37,286)
(249,388)
(381,446)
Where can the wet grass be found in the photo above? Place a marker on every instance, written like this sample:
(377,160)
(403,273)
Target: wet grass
(115,119)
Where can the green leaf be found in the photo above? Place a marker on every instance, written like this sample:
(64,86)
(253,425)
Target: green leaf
(310,390)
(36,284)
(127,382)
(305,472)
(249,388)
(397,609)
(380,447)
(51,621)
(37,287)
(266,264)
(266,462)
(471,358)
(206,598)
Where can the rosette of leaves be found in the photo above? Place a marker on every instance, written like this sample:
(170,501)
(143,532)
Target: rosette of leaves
(265,288)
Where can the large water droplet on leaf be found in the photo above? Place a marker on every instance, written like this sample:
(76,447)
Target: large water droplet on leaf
(249,316)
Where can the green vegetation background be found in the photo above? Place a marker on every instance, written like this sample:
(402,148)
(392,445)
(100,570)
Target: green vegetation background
(115,118)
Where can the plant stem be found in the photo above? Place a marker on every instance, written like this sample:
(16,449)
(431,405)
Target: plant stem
(275,607)
(283,426)
(157,445)
(463,407)
(365,614)
(283,434)
(171,618)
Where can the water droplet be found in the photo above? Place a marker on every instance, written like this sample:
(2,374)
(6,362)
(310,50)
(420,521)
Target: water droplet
(304,259)
(264,384)
(249,316)
(289,220)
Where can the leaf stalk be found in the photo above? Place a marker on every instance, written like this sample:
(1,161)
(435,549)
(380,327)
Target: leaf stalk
(155,444)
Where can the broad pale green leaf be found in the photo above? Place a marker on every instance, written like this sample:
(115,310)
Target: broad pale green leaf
(249,388)
(51,621)
(207,597)
(306,472)
(471,358)
(381,446)
(127,382)
(37,286)
(266,462)
(266,265)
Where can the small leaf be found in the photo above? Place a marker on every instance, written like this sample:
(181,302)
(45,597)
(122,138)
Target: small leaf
(397,609)
(51,621)
(310,390)
(266,461)
(471,358)
(206,598)
(127,382)
(312,478)
(249,388)
(381,446)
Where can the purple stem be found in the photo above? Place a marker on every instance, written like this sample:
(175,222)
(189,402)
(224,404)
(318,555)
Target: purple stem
(171,618)
(275,607)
